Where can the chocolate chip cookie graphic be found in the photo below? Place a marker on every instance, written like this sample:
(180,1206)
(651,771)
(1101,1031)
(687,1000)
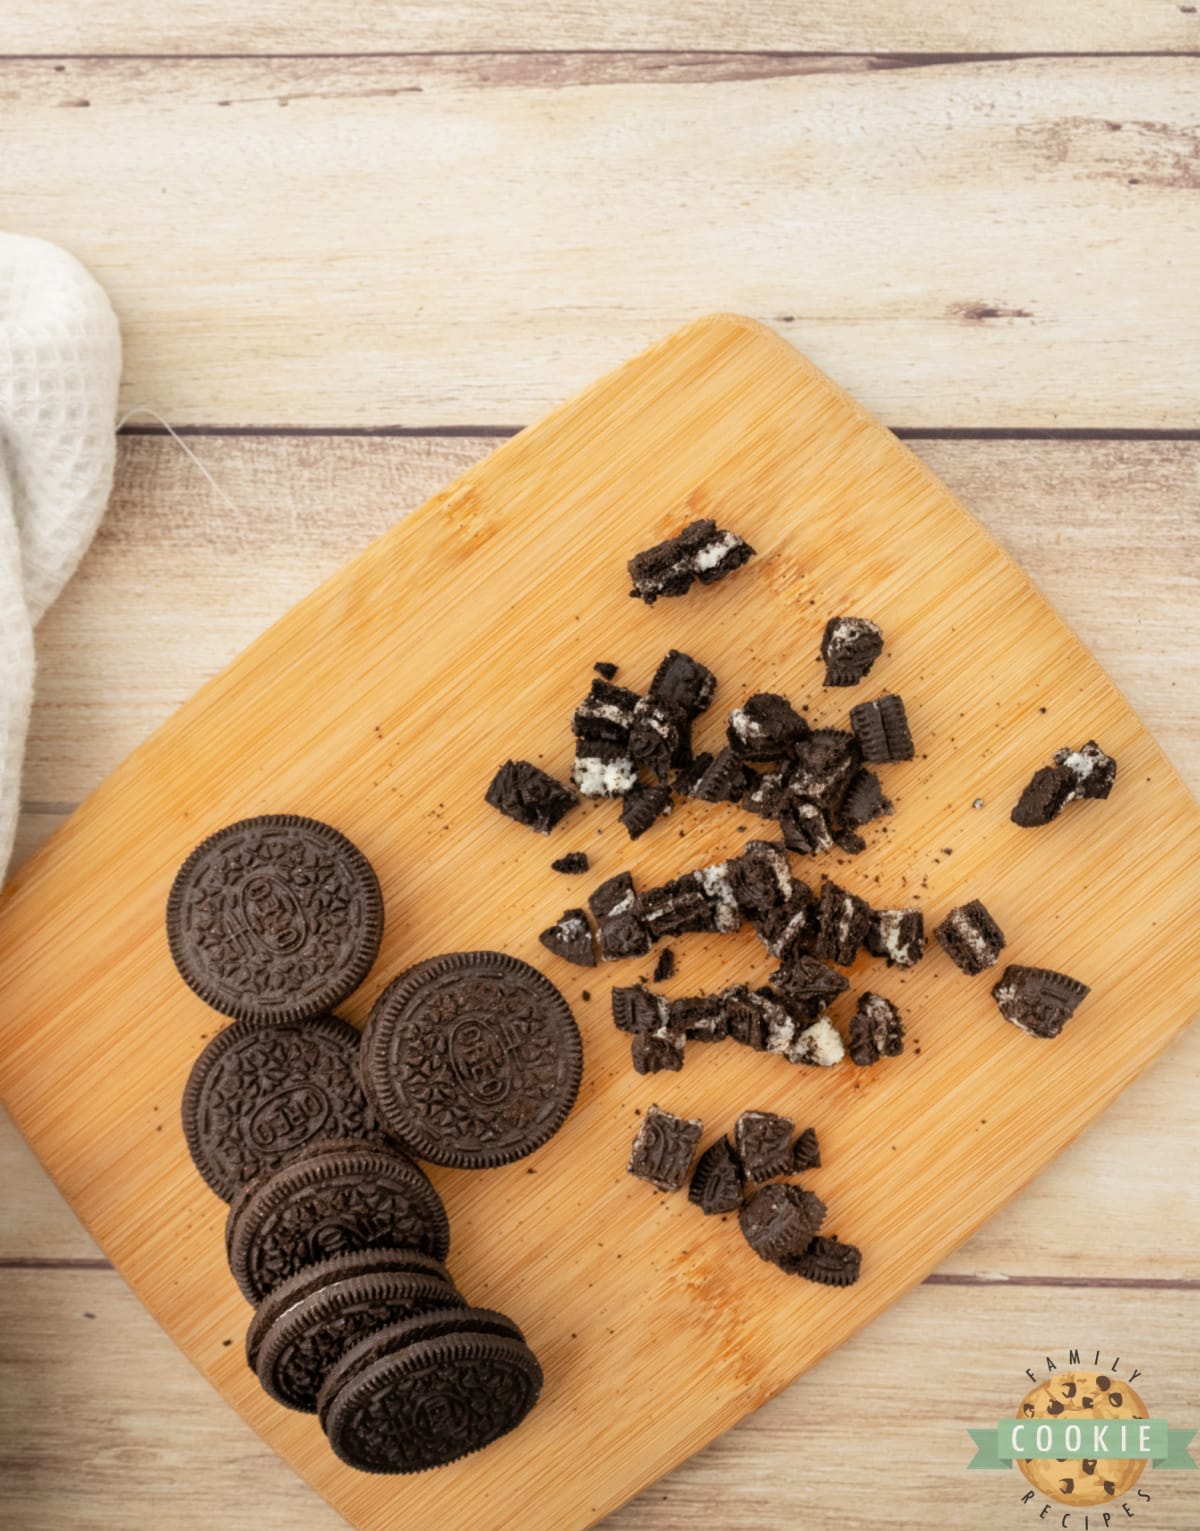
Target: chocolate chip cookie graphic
(1083,1395)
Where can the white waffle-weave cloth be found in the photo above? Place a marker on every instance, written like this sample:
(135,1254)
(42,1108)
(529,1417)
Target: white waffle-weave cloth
(60,362)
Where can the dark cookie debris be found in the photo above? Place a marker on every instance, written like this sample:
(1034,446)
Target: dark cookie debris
(605,715)
(763,1142)
(663,1148)
(664,968)
(603,769)
(700,552)
(805,829)
(683,682)
(260,1091)
(849,647)
(635,1009)
(605,668)
(1038,1000)
(276,918)
(472,1059)
(808,985)
(619,929)
(971,938)
(806,1151)
(876,1031)
(765,727)
(654,1052)
(1093,771)
(717,1180)
(827,1261)
(781,1220)
(572,864)
(897,935)
(701,1018)
(661,736)
(1044,798)
(825,765)
(881,728)
(676,907)
(571,939)
(524,792)
(641,806)
(760,878)
(844,921)
(789,930)
(864,800)
(719,778)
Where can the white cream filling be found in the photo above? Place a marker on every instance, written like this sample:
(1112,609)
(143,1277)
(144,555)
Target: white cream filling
(603,778)
(819,1044)
(709,556)
(888,925)
(781,1034)
(608,711)
(715,882)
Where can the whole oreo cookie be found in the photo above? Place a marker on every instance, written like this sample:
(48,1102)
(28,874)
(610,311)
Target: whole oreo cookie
(432,1402)
(396,1337)
(334,1197)
(294,1354)
(260,1091)
(274,919)
(471,1059)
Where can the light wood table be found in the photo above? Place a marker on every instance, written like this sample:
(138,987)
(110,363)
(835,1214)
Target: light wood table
(352,246)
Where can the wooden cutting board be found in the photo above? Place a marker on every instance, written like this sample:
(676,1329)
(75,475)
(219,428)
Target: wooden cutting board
(385,701)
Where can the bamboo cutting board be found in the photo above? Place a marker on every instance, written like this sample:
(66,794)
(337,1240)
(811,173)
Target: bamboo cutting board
(385,701)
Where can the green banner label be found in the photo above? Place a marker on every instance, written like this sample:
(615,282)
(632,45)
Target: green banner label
(1117,1440)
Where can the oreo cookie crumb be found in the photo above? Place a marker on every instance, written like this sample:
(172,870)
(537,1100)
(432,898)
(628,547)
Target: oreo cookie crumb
(603,769)
(676,907)
(719,778)
(1049,790)
(881,728)
(1038,1000)
(843,921)
(635,1009)
(765,727)
(781,1220)
(572,864)
(701,1018)
(817,1046)
(1093,772)
(806,831)
(604,668)
(760,878)
(683,682)
(849,647)
(641,806)
(702,551)
(808,986)
(790,929)
(653,1052)
(571,939)
(827,1261)
(763,1142)
(717,1180)
(806,1151)
(664,968)
(660,736)
(825,765)
(525,793)
(972,939)
(605,715)
(876,1031)
(663,1148)
(897,935)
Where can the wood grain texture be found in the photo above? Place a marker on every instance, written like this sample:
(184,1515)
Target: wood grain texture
(284,26)
(874,1436)
(764,435)
(959,243)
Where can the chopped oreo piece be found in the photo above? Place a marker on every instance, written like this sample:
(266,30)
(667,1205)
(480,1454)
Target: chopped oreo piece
(723,779)
(664,968)
(663,1148)
(1044,798)
(849,647)
(701,1018)
(635,1009)
(658,736)
(641,806)
(764,1144)
(603,667)
(765,727)
(603,769)
(819,1045)
(1038,1000)
(850,841)
(760,877)
(767,795)
(876,1031)
(700,552)
(805,829)
(898,935)
(972,939)
(572,863)
(606,714)
(524,792)
(718,889)
(825,765)
(808,986)
(615,895)
(676,906)
(843,920)
(881,728)
(686,780)
(828,1261)
(571,939)
(754,1017)
(781,1220)
(864,800)
(790,929)
(717,1180)
(683,682)
(654,1051)
(1093,771)
(622,935)
(806,1151)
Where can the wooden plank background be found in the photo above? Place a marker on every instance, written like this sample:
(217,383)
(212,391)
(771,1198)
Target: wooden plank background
(353,276)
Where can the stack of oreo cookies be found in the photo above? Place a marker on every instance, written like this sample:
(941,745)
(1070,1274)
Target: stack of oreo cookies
(334,1233)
